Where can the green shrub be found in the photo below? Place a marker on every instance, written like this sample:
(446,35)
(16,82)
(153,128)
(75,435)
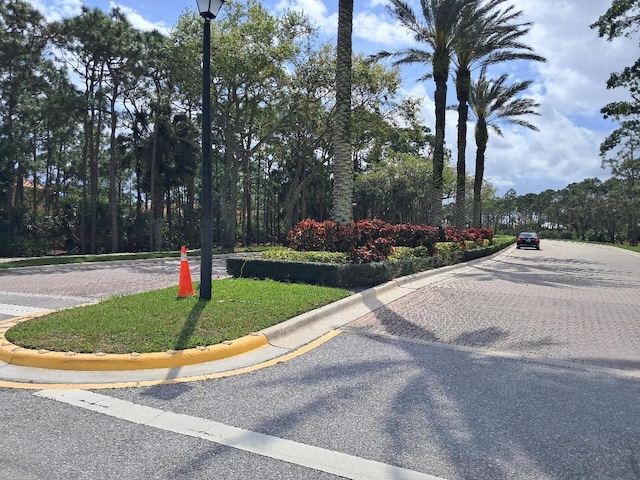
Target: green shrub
(400,253)
(368,241)
(313,256)
(333,275)
(449,252)
(334,268)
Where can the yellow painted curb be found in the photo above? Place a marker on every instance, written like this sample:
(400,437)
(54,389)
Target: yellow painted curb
(15,355)
(174,381)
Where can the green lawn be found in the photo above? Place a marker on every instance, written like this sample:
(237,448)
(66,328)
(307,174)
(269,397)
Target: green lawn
(157,321)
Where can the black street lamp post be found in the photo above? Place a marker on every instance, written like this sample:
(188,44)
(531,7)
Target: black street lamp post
(208,10)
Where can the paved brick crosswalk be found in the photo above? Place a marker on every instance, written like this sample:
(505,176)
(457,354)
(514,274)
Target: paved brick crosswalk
(18,304)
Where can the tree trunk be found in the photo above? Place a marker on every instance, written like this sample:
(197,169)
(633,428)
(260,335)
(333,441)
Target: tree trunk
(229,190)
(482,138)
(86,145)
(169,217)
(93,180)
(113,197)
(463,87)
(440,74)
(155,226)
(188,212)
(246,190)
(343,167)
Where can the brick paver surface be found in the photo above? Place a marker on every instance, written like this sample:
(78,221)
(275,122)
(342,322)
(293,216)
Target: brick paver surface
(569,301)
(102,280)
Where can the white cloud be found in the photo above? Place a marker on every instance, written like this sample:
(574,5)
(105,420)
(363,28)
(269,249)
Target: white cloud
(315,10)
(376,28)
(370,24)
(571,88)
(579,62)
(56,10)
(138,21)
(530,162)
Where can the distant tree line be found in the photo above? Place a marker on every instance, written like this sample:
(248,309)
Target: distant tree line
(589,210)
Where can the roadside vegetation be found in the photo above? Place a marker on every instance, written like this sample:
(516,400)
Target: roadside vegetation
(157,321)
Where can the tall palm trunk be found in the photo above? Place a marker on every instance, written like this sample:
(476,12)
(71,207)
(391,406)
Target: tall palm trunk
(441,61)
(343,167)
(482,137)
(463,88)
(443,23)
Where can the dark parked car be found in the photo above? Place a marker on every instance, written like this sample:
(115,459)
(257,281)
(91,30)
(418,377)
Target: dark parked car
(528,239)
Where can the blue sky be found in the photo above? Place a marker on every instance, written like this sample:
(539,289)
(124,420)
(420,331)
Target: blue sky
(571,86)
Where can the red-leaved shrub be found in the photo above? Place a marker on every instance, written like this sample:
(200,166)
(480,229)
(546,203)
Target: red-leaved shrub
(408,235)
(310,235)
(373,240)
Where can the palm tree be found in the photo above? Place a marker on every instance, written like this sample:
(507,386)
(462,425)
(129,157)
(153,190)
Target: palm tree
(343,166)
(443,22)
(493,38)
(492,103)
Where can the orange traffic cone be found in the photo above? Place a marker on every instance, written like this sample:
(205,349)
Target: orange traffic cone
(185,287)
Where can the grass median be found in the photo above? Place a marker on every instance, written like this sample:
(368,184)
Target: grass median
(157,321)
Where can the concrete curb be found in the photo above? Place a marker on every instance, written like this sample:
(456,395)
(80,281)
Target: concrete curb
(15,355)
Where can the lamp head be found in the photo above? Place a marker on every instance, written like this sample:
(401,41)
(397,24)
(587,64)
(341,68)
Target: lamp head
(209,8)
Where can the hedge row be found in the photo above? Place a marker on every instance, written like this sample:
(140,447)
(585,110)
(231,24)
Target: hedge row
(369,241)
(353,275)
(350,275)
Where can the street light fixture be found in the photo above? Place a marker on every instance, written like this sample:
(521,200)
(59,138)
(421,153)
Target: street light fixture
(208,10)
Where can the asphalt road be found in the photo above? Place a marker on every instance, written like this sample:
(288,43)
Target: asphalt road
(525,366)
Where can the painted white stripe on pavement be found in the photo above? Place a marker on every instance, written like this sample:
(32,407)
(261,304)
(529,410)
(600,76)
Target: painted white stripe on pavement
(19,310)
(308,456)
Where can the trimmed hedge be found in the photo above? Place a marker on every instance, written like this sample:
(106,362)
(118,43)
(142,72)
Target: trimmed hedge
(328,274)
(353,275)
(472,254)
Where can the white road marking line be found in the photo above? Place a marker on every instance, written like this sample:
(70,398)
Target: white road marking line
(19,310)
(308,456)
